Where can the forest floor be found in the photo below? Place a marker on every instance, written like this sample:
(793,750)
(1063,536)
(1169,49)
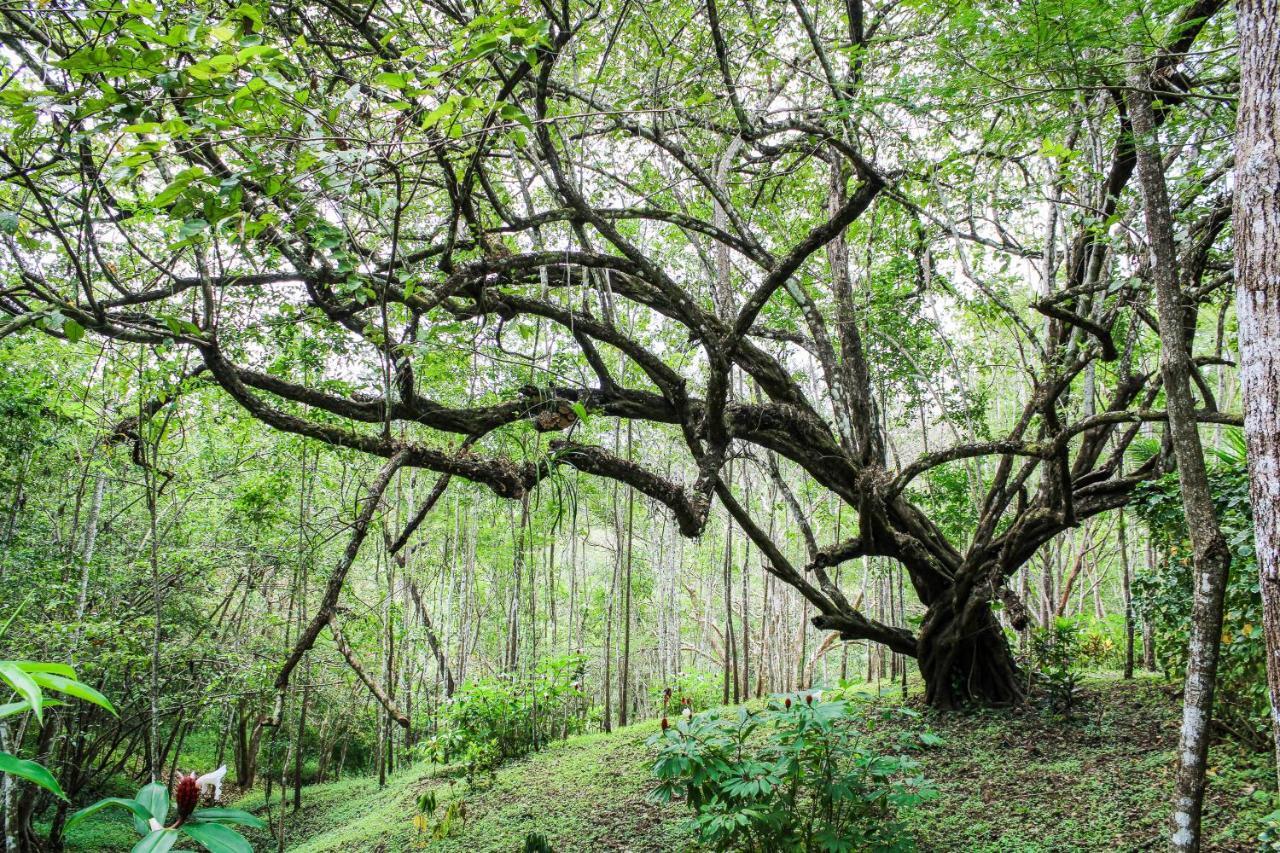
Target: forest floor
(1008,781)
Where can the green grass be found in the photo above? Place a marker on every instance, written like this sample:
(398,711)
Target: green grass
(1013,780)
(584,793)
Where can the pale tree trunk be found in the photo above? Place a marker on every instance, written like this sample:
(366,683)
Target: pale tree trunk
(624,674)
(1257,246)
(1127,594)
(607,721)
(1210,555)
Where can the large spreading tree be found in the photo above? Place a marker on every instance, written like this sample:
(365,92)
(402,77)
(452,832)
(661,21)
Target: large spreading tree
(720,220)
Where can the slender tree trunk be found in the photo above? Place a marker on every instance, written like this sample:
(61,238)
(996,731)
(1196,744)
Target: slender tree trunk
(153,769)
(303,565)
(607,721)
(625,672)
(1148,633)
(1127,594)
(1210,555)
(1257,246)
(745,625)
(513,622)
(730,650)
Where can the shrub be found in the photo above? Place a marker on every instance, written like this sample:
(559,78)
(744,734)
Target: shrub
(796,776)
(429,827)
(1054,649)
(1101,642)
(1163,597)
(492,720)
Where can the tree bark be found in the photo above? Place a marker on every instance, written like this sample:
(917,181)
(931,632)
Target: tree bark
(1211,558)
(963,663)
(1257,246)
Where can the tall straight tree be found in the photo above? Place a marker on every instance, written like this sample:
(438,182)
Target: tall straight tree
(1211,557)
(1257,245)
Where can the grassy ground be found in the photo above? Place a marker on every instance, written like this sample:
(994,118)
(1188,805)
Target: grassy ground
(1009,781)
(585,793)
(1100,780)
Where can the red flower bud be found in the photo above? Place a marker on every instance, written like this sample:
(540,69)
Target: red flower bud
(808,700)
(187,796)
(787,704)
(665,724)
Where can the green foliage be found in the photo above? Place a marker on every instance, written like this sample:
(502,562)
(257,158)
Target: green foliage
(211,828)
(1054,650)
(429,827)
(1100,642)
(492,720)
(1163,597)
(796,776)
(26,681)
(1269,838)
(701,688)
(536,842)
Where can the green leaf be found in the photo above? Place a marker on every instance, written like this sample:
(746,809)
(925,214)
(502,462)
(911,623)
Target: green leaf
(30,771)
(239,816)
(157,842)
(138,809)
(249,13)
(73,330)
(42,666)
(11,708)
(217,838)
(175,188)
(392,80)
(8,222)
(155,799)
(931,739)
(192,227)
(71,687)
(23,685)
(433,118)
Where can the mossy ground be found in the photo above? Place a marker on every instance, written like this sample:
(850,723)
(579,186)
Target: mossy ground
(1016,780)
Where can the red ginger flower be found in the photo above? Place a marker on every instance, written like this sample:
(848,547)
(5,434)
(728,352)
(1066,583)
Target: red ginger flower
(187,796)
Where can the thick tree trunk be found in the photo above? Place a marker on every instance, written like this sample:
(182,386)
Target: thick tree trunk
(1257,245)
(966,663)
(1210,555)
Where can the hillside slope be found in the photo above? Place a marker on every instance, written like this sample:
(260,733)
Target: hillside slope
(1009,781)
(585,793)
